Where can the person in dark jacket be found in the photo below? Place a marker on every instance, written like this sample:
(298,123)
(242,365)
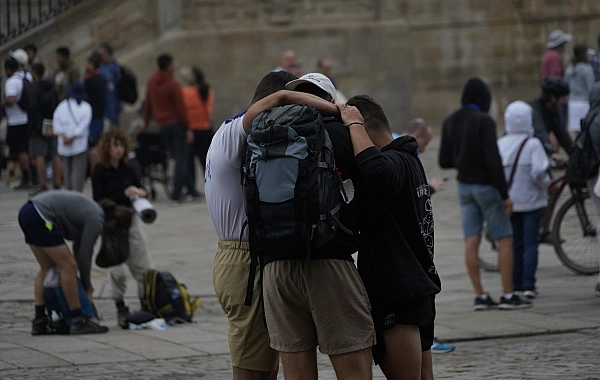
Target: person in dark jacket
(592,119)
(469,145)
(95,85)
(396,253)
(42,143)
(547,124)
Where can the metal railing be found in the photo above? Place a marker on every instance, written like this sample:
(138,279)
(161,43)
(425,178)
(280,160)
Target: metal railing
(20,16)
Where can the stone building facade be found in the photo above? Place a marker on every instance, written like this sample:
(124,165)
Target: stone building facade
(413,56)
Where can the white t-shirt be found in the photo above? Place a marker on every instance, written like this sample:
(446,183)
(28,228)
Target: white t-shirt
(72,119)
(14,87)
(222,183)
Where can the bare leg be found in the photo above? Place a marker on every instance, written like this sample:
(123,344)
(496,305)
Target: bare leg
(40,166)
(472,261)
(505,262)
(403,356)
(299,365)
(246,374)
(353,365)
(427,366)
(23,161)
(61,257)
(56,171)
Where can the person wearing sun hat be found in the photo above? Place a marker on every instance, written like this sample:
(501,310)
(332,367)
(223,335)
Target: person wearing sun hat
(552,59)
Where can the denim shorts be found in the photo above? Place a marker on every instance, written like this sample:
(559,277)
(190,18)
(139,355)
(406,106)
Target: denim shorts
(482,202)
(37,231)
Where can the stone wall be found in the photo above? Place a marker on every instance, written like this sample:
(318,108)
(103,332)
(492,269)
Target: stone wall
(413,56)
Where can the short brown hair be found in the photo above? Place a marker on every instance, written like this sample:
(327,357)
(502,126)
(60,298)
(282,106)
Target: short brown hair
(116,134)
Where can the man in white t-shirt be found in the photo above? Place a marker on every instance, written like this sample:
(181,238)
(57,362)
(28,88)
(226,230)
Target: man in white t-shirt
(251,355)
(17,133)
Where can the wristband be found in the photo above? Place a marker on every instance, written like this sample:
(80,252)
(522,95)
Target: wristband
(354,122)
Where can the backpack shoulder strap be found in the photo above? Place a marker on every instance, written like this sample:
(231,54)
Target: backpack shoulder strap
(514,168)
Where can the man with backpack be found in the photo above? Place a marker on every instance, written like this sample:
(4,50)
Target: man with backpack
(110,70)
(305,265)
(16,105)
(43,144)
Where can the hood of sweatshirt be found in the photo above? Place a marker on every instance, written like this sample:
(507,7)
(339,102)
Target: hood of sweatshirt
(477,92)
(572,72)
(518,118)
(405,144)
(163,76)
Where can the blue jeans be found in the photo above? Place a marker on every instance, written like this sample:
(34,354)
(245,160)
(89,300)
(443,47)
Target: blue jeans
(526,237)
(482,202)
(173,135)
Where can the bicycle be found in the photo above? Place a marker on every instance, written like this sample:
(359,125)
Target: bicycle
(573,230)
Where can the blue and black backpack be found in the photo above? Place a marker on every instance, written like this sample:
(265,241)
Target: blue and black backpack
(293,191)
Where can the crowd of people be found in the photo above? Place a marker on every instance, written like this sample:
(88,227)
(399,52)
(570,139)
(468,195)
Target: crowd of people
(287,307)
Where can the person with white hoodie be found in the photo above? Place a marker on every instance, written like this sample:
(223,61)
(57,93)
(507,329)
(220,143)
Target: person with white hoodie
(525,168)
(71,123)
(580,76)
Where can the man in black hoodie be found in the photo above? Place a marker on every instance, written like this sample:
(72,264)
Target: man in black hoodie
(396,252)
(469,145)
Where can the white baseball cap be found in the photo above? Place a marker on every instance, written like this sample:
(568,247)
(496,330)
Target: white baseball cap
(20,56)
(318,80)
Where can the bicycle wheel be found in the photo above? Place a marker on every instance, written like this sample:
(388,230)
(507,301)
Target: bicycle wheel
(574,234)
(488,253)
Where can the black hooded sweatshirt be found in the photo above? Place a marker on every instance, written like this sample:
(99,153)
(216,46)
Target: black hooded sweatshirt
(469,140)
(396,256)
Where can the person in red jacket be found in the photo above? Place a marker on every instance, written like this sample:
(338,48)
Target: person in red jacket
(198,98)
(164,102)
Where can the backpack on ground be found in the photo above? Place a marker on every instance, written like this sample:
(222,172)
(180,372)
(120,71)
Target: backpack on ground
(291,184)
(166,298)
(127,85)
(26,100)
(57,308)
(583,161)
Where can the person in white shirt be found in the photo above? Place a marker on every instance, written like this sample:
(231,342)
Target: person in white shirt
(71,124)
(528,188)
(17,133)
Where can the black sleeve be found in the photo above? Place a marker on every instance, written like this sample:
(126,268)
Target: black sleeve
(493,161)
(445,157)
(383,171)
(98,183)
(563,137)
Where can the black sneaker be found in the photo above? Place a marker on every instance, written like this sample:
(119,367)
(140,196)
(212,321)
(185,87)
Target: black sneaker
(484,302)
(122,314)
(85,325)
(514,302)
(39,326)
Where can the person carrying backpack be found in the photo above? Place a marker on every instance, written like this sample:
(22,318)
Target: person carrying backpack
(16,91)
(110,70)
(592,122)
(313,294)
(43,144)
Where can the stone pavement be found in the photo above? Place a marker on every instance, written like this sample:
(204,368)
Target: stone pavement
(557,338)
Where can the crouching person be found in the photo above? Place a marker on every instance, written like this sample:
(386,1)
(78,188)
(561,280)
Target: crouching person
(46,221)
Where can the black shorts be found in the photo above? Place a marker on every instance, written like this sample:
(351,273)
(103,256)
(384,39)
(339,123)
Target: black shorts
(17,139)
(37,231)
(417,312)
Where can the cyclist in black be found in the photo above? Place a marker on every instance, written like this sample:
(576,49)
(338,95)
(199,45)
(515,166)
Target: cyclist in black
(546,118)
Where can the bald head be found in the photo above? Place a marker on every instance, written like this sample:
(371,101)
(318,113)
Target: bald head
(422,132)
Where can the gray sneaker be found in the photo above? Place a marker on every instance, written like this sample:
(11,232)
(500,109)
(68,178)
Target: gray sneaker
(86,325)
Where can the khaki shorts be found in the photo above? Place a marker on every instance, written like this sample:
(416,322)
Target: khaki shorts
(248,337)
(320,303)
